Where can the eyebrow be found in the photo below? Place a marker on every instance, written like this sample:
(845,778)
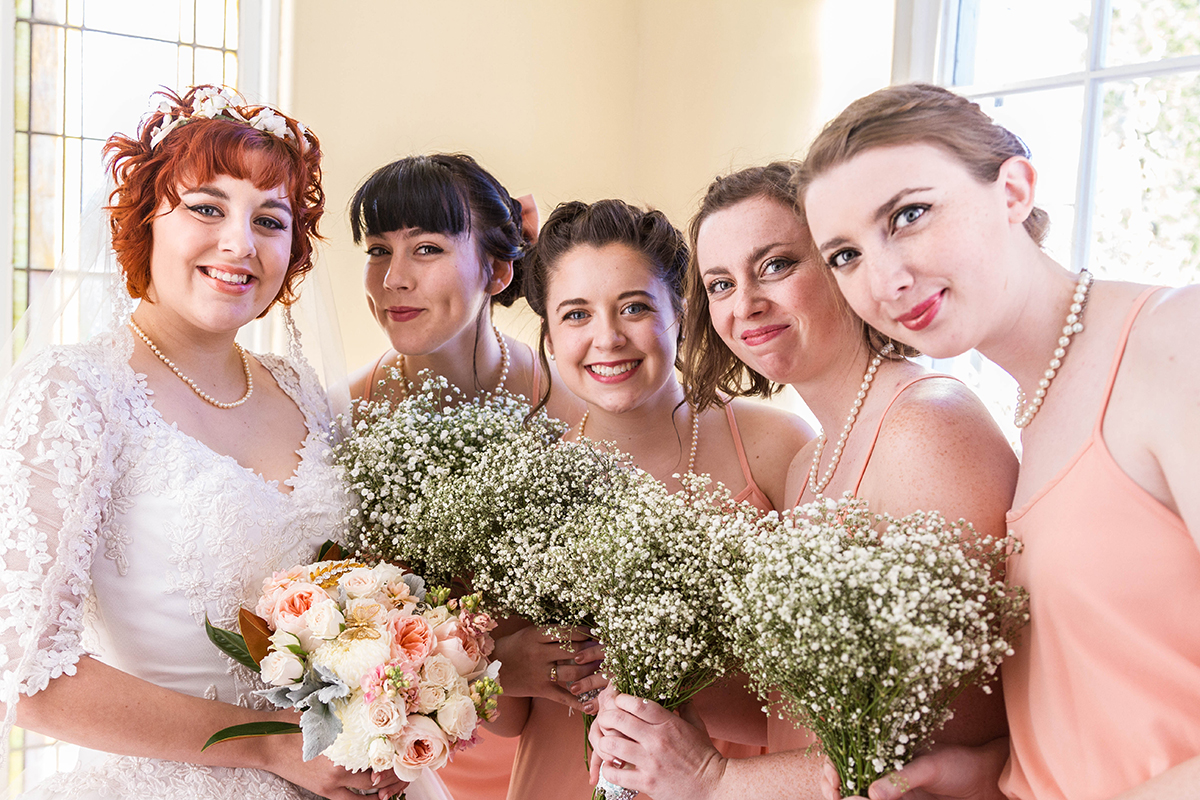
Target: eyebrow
(882,212)
(213,191)
(579,301)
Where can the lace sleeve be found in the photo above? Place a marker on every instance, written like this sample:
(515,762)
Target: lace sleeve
(57,465)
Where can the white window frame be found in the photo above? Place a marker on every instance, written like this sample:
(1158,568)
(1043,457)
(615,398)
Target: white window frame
(924,50)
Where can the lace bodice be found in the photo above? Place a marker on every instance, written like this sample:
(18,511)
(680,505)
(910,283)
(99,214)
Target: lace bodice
(119,534)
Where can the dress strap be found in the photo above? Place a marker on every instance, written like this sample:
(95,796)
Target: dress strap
(373,381)
(1119,354)
(883,416)
(737,444)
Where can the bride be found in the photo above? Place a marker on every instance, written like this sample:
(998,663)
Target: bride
(154,475)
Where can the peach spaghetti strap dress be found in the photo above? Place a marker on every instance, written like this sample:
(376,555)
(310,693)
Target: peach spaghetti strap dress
(1104,690)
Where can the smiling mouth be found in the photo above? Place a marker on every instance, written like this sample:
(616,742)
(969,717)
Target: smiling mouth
(232,278)
(612,370)
(923,314)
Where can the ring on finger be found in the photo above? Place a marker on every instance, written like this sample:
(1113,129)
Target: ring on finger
(554,673)
(617,763)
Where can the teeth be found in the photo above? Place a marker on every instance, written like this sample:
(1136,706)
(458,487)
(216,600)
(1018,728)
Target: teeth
(227,277)
(608,372)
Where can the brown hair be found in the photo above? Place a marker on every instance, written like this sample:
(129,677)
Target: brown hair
(710,368)
(918,113)
(198,149)
(597,224)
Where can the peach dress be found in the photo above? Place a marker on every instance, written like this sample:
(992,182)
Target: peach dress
(1103,692)
(551,763)
(783,734)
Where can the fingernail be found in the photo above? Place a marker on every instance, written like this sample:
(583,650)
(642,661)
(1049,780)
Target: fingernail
(589,708)
(578,659)
(574,688)
(374,778)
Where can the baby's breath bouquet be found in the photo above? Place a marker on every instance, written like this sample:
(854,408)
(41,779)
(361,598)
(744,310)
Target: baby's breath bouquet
(405,461)
(870,626)
(660,567)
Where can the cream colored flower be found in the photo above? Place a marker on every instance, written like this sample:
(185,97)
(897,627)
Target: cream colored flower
(351,749)
(421,745)
(457,717)
(281,668)
(386,716)
(353,654)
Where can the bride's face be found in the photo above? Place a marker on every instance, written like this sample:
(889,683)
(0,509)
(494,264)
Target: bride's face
(219,258)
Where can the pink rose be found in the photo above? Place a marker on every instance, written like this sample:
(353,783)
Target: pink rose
(412,638)
(273,587)
(291,605)
(421,745)
(464,655)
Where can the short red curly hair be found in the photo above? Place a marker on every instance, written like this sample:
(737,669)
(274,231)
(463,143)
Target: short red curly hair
(198,150)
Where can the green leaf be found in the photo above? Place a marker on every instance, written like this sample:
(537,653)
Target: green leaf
(250,729)
(230,643)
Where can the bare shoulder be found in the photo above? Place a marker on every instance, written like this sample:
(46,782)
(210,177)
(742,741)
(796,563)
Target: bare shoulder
(940,449)
(1161,346)
(769,431)
(360,379)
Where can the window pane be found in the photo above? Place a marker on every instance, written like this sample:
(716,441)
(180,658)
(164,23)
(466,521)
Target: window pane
(1148,30)
(210,22)
(1050,124)
(1146,226)
(20,253)
(210,66)
(50,10)
(45,200)
(152,18)
(1051,34)
(21,76)
(116,105)
(46,89)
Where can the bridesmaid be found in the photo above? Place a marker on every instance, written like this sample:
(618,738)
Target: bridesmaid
(607,279)
(762,309)
(924,211)
(445,242)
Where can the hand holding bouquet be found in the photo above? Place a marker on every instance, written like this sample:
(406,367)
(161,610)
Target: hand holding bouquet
(387,674)
(869,627)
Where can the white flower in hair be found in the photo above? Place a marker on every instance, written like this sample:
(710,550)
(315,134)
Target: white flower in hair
(212,103)
(270,121)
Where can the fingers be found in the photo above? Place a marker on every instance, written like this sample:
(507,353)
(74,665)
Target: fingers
(643,709)
(831,783)
(688,713)
(591,652)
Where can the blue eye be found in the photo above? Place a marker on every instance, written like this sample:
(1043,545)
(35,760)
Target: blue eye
(575,316)
(841,258)
(778,265)
(719,285)
(636,308)
(908,215)
(204,210)
(273,224)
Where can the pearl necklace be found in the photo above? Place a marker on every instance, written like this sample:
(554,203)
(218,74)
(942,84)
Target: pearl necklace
(819,486)
(504,361)
(1025,412)
(200,392)
(695,437)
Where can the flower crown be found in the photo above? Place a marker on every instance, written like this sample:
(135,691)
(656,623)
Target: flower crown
(211,102)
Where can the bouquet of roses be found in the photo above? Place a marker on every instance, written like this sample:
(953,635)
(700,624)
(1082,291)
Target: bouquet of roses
(870,626)
(388,675)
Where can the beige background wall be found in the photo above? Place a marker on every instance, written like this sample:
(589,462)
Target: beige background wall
(646,100)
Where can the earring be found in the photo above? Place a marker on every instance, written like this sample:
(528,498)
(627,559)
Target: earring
(551,356)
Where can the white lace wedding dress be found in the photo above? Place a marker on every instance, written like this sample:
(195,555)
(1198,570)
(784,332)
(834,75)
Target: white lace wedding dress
(119,534)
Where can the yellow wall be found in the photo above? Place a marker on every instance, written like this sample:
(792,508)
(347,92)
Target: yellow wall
(646,100)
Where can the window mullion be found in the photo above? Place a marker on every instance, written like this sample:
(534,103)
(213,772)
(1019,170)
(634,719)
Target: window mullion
(8,22)
(1093,110)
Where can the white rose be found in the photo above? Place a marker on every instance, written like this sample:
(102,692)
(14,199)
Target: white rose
(385,573)
(324,620)
(282,640)
(457,717)
(440,671)
(381,753)
(429,697)
(437,616)
(452,650)
(360,582)
(386,716)
(281,668)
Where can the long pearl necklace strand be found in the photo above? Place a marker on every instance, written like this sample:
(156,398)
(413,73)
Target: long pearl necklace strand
(819,486)
(1025,412)
(695,437)
(504,361)
(203,395)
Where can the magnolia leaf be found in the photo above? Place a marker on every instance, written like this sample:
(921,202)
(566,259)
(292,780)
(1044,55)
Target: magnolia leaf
(330,551)
(255,633)
(265,728)
(231,644)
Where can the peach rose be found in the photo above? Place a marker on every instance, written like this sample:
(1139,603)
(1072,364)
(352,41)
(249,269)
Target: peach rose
(292,604)
(412,638)
(273,587)
(422,745)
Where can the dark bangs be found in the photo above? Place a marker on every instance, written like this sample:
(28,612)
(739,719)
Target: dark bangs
(414,192)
